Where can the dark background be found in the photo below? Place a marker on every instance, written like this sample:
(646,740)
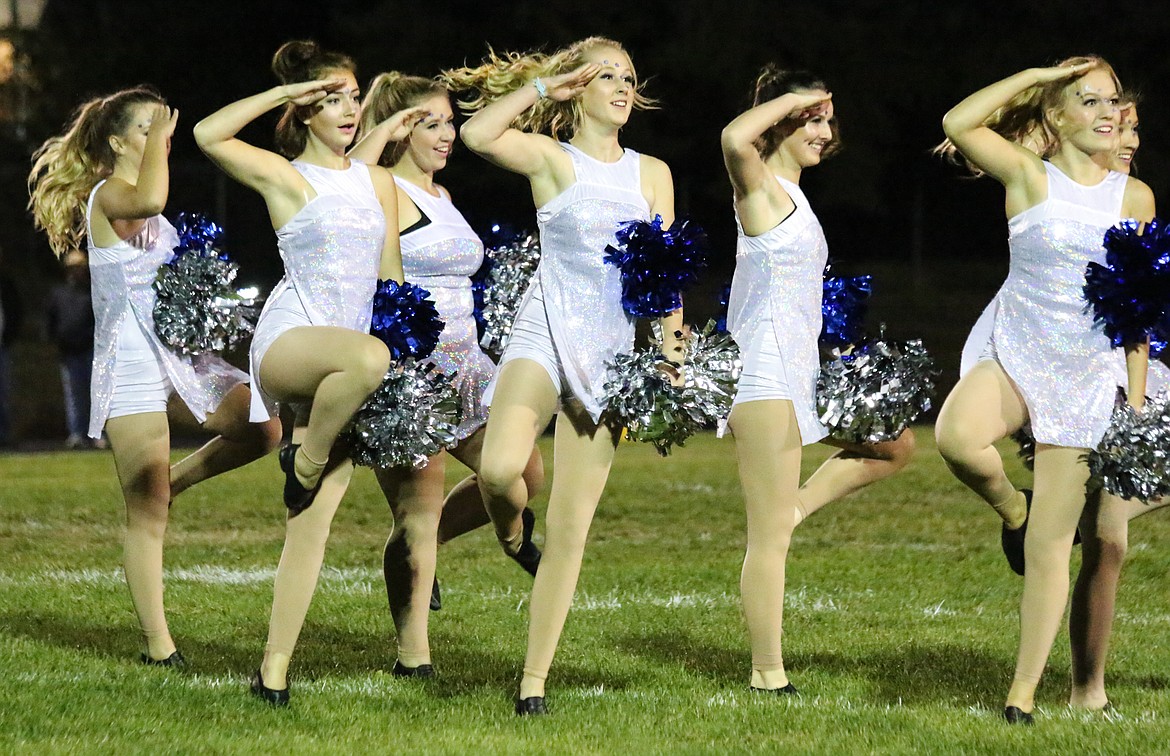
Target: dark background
(934,240)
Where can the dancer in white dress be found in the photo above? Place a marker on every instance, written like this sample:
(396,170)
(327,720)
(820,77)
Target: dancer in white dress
(409,127)
(1043,362)
(336,223)
(571,320)
(106,179)
(774,314)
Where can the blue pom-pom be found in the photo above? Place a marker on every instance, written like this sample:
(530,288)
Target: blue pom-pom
(405,318)
(1128,295)
(724,301)
(657,264)
(479,284)
(198,233)
(843,310)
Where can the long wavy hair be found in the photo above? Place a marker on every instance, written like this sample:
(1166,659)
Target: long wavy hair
(297,61)
(1026,119)
(67,167)
(501,74)
(774,82)
(389,93)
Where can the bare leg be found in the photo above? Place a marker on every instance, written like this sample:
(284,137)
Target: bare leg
(141,446)
(238,443)
(767,449)
(983,408)
(852,468)
(1059,499)
(583,453)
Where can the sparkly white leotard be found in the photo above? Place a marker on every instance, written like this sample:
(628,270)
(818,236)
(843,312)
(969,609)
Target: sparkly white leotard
(775,304)
(121,281)
(332,252)
(575,295)
(1037,329)
(440,257)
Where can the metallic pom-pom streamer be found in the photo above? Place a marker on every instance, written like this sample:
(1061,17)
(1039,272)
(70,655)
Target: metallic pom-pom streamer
(843,307)
(405,319)
(196,310)
(1027,443)
(641,397)
(1133,459)
(874,392)
(657,264)
(1129,296)
(411,417)
(513,263)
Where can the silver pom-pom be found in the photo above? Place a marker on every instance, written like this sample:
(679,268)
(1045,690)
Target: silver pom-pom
(1133,459)
(1027,443)
(873,393)
(412,416)
(195,309)
(641,397)
(511,271)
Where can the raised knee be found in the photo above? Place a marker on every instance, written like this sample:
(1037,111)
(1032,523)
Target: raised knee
(498,474)
(954,443)
(534,479)
(371,362)
(265,436)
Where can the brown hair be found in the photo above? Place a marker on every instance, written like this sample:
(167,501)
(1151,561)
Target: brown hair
(297,61)
(66,167)
(499,75)
(390,93)
(775,82)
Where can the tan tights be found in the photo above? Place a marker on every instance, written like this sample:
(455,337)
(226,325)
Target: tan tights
(1105,529)
(983,408)
(524,401)
(851,468)
(423,520)
(141,447)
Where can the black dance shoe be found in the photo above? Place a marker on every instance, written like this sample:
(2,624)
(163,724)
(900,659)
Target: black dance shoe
(531,707)
(422,670)
(174,661)
(1013,715)
(262,691)
(1012,541)
(436,599)
(528,555)
(296,497)
(787,690)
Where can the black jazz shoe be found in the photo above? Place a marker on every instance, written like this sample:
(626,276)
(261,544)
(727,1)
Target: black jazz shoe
(296,497)
(422,670)
(787,690)
(528,555)
(531,707)
(1012,541)
(262,691)
(436,599)
(174,661)
(1013,715)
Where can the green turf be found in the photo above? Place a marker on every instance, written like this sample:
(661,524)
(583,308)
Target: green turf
(900,626)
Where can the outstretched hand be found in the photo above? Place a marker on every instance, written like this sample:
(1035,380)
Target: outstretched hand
(569,85)
(310,92)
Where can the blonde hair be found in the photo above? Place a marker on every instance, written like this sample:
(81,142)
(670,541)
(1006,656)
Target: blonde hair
(1026,119)
(67,167)
(500,75)
(297,61)
(390,93)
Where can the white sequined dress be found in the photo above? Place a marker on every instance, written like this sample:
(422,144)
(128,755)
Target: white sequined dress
(776,294)
(332,251)
(1037,329)
(579,293)
(441,256)
(121,282)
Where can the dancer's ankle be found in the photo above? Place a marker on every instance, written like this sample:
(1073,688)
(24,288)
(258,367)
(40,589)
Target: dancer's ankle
(274,670)
(307,469)
(1013,510)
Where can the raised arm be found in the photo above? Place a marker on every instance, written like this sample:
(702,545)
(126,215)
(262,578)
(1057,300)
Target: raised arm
(120,200)
(658,186)
(394,129)
(1138,203)
(489,132)
(745,165)
(384,187)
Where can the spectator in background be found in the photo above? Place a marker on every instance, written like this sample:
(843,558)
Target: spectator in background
(70,321)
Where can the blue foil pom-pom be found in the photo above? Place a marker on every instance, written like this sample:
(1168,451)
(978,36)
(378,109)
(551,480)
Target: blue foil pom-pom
(405,319)
(1128,295)
(843,307)
(198,233)
(657,264)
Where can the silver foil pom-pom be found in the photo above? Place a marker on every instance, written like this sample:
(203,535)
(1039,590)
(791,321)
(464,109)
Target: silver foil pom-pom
(873,393)
(412,416)
(1133,459)
(1027,443)
(512,266)
(641,397)
(195,309)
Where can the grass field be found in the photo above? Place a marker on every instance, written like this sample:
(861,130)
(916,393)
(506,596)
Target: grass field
(900,626)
